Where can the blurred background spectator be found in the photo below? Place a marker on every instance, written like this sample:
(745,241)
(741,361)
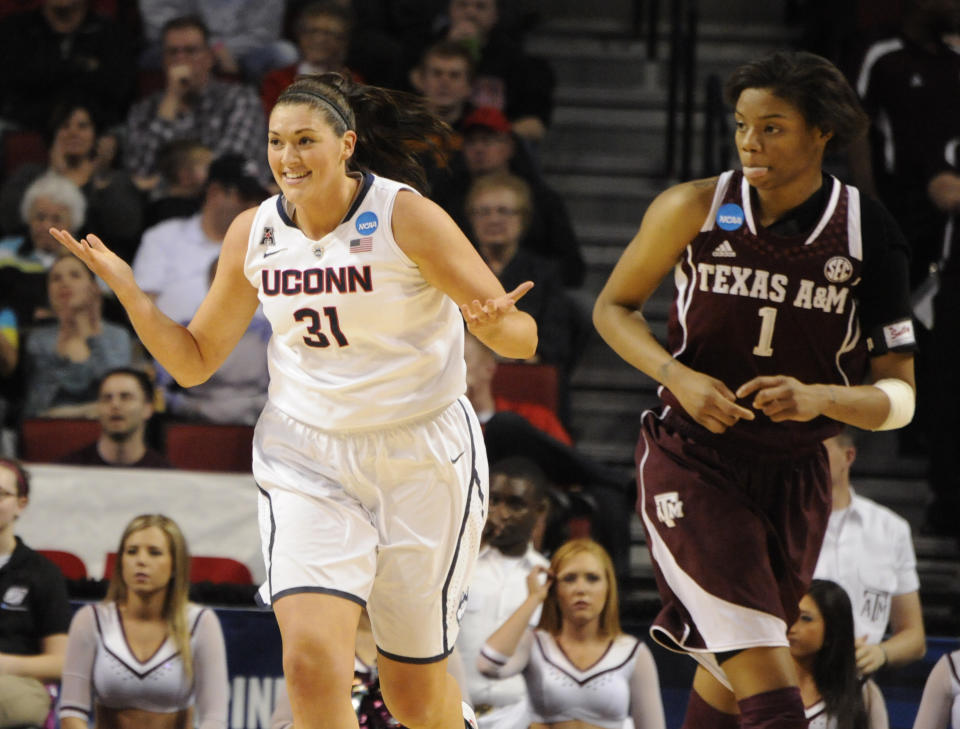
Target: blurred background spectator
(64,360)
(35,614)
(322,30)
(246,34)
(183,165)
(58,48)
(124,407)
(49,201)
(114,205)
(225,116)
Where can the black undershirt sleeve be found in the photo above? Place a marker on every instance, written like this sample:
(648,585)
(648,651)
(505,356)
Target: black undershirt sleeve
(884,292)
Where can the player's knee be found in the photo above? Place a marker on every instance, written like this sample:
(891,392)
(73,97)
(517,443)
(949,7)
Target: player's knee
(312,666)
(412,710)
(411,706)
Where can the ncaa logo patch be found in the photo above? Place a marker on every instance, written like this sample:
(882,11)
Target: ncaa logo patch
(367,223)
(838,269)
(730,216)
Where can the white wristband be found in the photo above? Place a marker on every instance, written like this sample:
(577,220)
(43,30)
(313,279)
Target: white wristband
(902,402)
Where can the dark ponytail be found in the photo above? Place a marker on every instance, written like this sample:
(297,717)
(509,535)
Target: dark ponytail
(835,665)
(394,128)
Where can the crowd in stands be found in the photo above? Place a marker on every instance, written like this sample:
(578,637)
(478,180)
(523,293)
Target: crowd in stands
(148,130)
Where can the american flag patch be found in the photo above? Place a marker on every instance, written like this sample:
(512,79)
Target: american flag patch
(361,245)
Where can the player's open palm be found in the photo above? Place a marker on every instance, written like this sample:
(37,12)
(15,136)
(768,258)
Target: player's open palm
(106,264)
(708,400)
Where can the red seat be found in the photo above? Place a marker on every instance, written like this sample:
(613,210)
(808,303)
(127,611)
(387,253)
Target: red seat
(23,146)
(47,440)
(203,569)
(70,564)
(530,382)
(208,447)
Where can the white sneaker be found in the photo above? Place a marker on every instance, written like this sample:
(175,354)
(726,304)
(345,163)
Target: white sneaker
(469,718)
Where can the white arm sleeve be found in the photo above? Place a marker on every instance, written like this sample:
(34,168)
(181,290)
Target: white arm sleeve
(876,706)
(496,665)
(210,672)
(646,703)
(937,698)
(76,684)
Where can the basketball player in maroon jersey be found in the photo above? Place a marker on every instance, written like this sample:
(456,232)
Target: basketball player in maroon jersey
(790,318)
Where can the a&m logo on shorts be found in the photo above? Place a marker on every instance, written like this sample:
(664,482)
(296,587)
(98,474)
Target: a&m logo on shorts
(838,269)
(730,216)
(669,507)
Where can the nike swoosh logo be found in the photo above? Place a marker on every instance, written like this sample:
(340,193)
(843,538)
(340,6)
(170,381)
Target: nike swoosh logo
(267,254)
(454,460)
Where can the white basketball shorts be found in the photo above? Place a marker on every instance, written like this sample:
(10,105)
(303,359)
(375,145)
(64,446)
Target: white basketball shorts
(388,518)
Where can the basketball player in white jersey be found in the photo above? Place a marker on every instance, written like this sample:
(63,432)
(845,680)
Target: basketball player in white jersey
(368,456)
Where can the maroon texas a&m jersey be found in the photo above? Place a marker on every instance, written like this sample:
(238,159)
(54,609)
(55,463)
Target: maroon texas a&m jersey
(750,302)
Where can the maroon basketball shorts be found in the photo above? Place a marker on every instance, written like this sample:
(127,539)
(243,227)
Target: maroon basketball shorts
(734,538)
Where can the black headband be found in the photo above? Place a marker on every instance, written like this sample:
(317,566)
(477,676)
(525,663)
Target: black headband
(336,109)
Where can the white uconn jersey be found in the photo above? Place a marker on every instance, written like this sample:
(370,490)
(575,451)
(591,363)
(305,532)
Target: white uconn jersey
(360,339)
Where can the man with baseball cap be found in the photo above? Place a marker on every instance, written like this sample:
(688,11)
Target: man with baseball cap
(174,256)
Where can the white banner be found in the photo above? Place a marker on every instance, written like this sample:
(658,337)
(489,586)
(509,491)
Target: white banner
(83,510)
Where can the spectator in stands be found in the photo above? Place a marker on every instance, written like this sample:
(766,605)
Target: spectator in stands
(246,34)
(124,408)
(868,550)
(9,358)
(224,116)
(64,361)
(159,659)
(236,393)
(481,368)
(578,637)
(499,208)
(942,172)
(940,703)
(822,647)
(523,428)
(50,200)
(173,260)
(322,30)
(445,76)
(183,165)
(517,503)
(519,85)
(58,48)
(490,148)
(113,202)
(35,614)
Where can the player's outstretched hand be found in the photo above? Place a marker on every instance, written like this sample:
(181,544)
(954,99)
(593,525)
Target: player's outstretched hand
(708,400)
(106,264)
(781,398)
(480,315)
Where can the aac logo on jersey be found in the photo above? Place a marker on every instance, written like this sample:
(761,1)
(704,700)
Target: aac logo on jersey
(367,223)
(838,269)
(267,239)
(730,216)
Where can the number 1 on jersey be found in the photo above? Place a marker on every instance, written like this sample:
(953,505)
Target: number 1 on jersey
(768,315)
